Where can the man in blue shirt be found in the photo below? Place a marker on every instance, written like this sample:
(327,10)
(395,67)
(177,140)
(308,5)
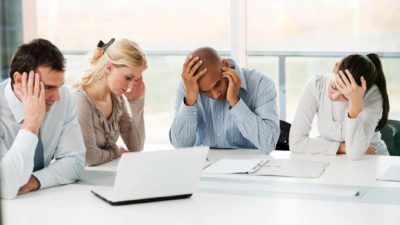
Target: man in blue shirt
(222,105)
(41,142)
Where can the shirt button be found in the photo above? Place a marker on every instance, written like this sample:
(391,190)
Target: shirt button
(219,115)
(218,135)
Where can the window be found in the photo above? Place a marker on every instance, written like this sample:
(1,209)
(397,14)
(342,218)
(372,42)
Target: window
(284,40)
(166,30)
(297,30)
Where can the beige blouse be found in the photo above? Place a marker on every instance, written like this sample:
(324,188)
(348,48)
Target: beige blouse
(100,135)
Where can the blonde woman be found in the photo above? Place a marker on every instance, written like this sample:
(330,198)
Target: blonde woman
(110,101)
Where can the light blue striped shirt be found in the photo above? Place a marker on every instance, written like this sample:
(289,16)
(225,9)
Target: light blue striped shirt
(252,123)
(64,150)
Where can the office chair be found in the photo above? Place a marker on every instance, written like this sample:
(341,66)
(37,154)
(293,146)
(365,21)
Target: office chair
(391,136)
(283,140)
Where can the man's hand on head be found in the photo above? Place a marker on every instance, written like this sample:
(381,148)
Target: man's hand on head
(232,94)
(32,95)
(190,78)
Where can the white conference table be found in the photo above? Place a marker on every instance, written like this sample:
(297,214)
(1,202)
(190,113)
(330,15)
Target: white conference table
(227,199)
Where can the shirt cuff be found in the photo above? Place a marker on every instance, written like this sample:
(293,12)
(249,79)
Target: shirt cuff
(43,178)
(136,102)
(136,105)
(189,112)
(333,149)
(240,112)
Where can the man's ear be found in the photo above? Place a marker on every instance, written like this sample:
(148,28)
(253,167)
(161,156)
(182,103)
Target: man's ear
(17,78)
(17,86)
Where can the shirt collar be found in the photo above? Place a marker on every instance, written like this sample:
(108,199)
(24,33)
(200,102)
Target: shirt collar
(14,103)
(239,71)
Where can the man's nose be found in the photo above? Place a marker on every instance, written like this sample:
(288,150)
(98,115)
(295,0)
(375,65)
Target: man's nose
(215,94)
(56,95)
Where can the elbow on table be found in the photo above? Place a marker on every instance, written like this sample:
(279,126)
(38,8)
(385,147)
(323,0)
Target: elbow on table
(8,192)
(268,147)
(92,161)
(296,147)
(176,144)
(80,168)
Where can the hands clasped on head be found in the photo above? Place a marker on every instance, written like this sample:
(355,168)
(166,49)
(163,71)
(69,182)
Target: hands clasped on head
(218,81)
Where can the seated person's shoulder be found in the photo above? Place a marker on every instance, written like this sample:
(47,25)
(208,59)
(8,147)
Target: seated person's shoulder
(255,78)
(80,96)
(66,95)
(317,82)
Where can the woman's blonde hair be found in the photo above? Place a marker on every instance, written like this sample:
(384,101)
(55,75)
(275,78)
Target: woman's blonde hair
(121,53)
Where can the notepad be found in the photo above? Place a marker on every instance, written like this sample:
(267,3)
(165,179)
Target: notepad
(227,166)
(292,168)
(265,167)
(391,174)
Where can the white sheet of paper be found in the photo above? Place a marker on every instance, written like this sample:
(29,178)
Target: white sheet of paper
(292,168)
(226,166)
(391,174)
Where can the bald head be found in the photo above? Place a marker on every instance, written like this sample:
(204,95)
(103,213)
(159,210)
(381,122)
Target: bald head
(208,55)
(212,84)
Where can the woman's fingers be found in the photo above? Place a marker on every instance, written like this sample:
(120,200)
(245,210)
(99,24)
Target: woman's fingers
(343,77)
(338,82)
(350,76)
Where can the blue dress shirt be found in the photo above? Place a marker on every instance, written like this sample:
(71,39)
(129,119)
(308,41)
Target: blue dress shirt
(252,123)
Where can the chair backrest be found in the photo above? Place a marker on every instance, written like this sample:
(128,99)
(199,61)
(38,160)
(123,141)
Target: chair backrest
(391,136)
(283,140)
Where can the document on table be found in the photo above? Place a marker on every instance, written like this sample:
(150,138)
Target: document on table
(226,166)
(265,167)
(391,174)
(292,168)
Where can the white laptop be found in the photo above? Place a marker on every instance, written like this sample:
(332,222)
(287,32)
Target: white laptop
(155,176)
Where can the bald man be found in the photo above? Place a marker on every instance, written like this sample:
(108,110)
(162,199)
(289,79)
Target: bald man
(224,106)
